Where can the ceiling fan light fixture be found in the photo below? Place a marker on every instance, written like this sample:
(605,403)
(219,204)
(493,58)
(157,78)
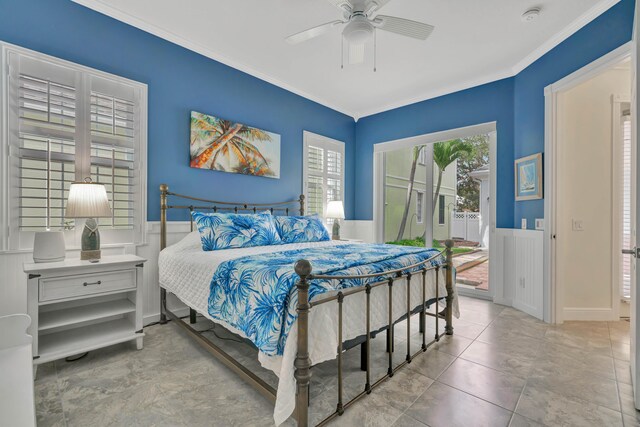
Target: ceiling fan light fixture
(358,30)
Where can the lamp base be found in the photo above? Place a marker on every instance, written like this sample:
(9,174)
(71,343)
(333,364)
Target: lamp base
(335,232)
(90,241)
(90,255)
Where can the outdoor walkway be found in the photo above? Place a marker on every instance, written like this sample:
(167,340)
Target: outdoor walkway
(473,269)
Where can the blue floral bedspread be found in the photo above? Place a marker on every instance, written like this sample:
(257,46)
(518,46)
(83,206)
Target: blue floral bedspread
(257,294)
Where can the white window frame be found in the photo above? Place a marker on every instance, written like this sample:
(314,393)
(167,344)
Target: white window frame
(312,139)
(419,207)
(12,239)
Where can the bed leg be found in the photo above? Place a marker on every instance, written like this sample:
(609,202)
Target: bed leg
(363,356)
(390,346)
(163,306)
(422,322)
(303,362)
(192,316)
(449,284)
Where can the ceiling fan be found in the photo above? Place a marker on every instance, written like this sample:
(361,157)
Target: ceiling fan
(361,21)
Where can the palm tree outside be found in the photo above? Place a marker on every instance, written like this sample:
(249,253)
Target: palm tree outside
(444,154)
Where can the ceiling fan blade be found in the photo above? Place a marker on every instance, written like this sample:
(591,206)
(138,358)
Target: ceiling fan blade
(356,53)
(343,5)
(311,32)
(404,27)
(373,6)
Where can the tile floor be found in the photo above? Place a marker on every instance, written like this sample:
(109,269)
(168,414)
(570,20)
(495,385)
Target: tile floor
(501,368)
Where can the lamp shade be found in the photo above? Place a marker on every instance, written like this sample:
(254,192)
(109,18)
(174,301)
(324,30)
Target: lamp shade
(87,200)
(335,210)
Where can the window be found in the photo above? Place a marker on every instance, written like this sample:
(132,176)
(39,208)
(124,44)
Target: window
(422,155)
(66,122)
(323,172)
(419,206)
(441,205)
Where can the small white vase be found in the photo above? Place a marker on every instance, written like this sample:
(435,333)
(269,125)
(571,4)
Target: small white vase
(48,246)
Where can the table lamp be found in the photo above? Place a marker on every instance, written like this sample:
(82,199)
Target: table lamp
(88,200)
(335,210)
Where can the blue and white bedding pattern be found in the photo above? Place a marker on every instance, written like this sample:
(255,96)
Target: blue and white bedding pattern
(224,231)
(301,229)
(257,294)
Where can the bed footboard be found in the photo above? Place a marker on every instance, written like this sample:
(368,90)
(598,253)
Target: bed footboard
(418,272)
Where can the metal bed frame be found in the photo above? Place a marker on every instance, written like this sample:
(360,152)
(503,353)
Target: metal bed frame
(304,270)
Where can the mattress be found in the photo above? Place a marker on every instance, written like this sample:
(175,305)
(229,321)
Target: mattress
(186,271)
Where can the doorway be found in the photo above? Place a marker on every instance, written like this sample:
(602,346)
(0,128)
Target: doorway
(435,187)
(590,167)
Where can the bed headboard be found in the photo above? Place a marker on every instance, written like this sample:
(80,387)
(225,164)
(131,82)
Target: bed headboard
(196,203)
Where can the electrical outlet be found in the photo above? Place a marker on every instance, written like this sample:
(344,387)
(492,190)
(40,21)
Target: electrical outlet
(539,224)
(577,225)
(524,223)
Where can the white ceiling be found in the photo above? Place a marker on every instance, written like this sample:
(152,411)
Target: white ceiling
(474,42)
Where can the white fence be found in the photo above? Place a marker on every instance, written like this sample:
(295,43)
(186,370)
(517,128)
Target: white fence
(465,225)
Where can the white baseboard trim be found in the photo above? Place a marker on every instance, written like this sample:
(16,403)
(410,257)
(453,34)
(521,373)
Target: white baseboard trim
(503,301)
(589,314)
(153,318)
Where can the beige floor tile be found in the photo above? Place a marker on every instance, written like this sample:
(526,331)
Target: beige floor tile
(496,387)
(444,406)
(512,360)
(546,407)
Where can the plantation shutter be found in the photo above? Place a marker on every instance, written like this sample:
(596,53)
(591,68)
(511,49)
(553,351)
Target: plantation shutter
(43,103)
(324,172)
(114,118)
(66,123)
(625,291)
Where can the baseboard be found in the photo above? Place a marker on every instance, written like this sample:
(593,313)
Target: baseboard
(154,318)
(589,314)
(503,301)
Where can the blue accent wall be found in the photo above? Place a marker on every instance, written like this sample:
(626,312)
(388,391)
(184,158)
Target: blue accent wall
(482,104)
(179,81)
(609,31)
(517,104)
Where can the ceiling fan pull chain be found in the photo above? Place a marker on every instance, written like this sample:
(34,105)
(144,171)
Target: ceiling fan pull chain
(342,52)
(375,48)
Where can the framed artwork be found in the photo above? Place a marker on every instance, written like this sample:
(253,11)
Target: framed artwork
(226,146)
(528,177)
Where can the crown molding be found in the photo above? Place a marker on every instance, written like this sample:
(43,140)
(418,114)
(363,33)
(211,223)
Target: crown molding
(431,94)
(115,13)
(566,32)
(584,19)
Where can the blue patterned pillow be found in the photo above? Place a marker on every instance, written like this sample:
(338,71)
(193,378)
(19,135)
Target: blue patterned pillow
(224,231)
(301,229)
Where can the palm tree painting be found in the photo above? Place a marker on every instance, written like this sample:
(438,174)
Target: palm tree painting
(223,145)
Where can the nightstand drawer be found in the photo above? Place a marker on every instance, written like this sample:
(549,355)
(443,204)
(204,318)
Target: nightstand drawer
(55,288)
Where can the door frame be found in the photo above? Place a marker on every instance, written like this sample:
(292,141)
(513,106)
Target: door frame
(553,289)
(378,186)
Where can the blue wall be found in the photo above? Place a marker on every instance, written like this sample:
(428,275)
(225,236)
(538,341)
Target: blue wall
(517,104)
(605,33)
(179,81)
(482,104)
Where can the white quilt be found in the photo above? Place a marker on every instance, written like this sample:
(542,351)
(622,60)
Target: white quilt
(186,271)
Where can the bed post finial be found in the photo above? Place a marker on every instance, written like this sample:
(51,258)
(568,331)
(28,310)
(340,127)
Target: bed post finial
(164,188)
(303,362)
(301,205)
(449,284)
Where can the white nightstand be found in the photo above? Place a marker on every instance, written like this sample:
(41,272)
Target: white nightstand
(77,306)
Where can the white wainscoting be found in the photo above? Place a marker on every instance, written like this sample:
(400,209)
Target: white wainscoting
(363,230)
(518,270)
